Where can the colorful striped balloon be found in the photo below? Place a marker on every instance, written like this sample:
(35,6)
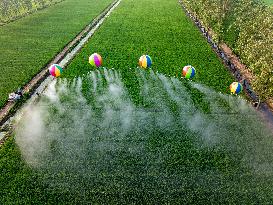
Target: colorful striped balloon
(235,88)
(145,61)
(95,60)
(55,70)
(188,72)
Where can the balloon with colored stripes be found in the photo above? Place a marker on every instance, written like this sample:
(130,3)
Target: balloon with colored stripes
(145,61)
(188,71)
(95,60)
(235,88)
(55,70)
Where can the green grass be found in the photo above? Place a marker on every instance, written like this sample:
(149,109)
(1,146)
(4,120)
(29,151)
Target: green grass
(31,42)
(197,157)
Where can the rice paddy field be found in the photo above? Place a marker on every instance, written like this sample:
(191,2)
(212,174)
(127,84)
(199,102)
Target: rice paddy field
(29,43)
(120,134)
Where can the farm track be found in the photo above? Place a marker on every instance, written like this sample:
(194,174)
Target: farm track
(65,56)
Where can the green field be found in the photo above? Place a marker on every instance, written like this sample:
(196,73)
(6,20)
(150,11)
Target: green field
(31,42)
(132,136)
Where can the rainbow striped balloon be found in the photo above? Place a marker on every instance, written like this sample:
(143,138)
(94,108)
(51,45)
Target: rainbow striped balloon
(95,60)
(235,88)
(145,61)
(188,72)
(55,70)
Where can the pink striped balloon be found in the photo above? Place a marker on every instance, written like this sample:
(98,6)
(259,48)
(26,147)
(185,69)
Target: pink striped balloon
(95,60)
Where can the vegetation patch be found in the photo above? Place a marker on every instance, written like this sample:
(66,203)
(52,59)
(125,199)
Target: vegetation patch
(13,9)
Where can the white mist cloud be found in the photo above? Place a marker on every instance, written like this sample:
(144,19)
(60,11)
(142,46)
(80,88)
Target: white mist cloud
(30,134)
(71,133)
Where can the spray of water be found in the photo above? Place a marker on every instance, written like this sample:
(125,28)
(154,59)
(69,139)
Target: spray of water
(89,131)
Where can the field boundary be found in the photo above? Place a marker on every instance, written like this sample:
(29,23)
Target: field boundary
(236,67)
(34,87)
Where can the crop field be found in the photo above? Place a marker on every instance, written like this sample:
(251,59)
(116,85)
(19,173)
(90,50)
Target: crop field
(31,42)
(120,134)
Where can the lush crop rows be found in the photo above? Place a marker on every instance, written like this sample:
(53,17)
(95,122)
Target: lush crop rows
(184,144)
(31,42)
(13,9)
(170,39)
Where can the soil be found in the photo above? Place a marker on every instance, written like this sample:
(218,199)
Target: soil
(245,72)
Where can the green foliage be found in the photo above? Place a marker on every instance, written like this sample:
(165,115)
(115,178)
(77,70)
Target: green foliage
(255,43)
(14,9)
(247,26)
